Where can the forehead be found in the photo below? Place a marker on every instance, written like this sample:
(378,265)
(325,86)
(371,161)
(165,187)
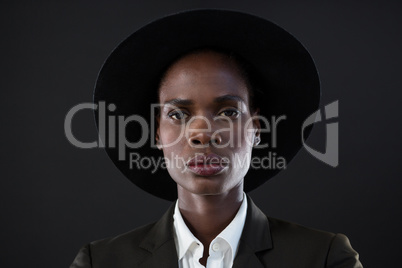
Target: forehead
(201,75)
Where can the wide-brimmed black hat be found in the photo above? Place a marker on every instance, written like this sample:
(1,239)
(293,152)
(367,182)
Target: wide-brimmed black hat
(129,79)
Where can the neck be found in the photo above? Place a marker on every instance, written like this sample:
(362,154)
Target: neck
(208,215)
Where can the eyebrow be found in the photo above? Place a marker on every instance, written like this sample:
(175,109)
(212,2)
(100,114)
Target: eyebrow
(226,98)
(220,99)
(177,102)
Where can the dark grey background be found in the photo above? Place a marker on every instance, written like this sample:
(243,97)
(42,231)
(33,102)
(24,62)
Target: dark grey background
(56,197)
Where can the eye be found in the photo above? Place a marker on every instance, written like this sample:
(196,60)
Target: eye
(177,115)
(230,113)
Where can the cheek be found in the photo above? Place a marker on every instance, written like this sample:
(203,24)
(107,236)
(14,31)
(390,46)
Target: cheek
(242,152)
(172,149)
(243,137)
(170,135)
(173,140)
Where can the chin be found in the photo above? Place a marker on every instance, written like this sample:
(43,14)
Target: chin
(209,186)
(203,186)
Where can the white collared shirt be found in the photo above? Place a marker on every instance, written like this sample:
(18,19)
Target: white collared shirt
(222,249)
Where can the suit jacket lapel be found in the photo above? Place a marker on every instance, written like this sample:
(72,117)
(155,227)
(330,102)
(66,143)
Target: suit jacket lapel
(160,243)
(256,237)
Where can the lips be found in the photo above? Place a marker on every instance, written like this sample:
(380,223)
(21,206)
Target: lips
(207,165)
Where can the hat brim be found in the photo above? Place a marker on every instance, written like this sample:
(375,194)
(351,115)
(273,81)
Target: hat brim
(129,79)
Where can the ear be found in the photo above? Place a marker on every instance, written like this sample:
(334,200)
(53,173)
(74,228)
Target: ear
(257,127)
(157,134)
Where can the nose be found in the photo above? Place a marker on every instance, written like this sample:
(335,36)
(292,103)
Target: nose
(201,133)
(204,139)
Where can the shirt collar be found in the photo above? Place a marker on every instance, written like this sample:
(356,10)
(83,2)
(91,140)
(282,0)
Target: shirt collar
(231,234)
(184,238)
(233,231)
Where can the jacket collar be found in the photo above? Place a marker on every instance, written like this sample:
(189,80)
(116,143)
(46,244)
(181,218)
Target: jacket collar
(256,237)
(160,243)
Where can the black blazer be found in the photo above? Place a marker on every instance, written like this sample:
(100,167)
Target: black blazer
(265,242)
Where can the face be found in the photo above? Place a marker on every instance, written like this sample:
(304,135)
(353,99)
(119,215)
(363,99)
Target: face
(206,129)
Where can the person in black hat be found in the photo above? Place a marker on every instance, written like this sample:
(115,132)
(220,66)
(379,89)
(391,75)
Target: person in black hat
(216,77)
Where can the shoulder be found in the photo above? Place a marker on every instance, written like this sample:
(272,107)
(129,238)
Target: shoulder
(121,246)
(312,245)
(297,233)
(130,238)
(116,251)
(129,249)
